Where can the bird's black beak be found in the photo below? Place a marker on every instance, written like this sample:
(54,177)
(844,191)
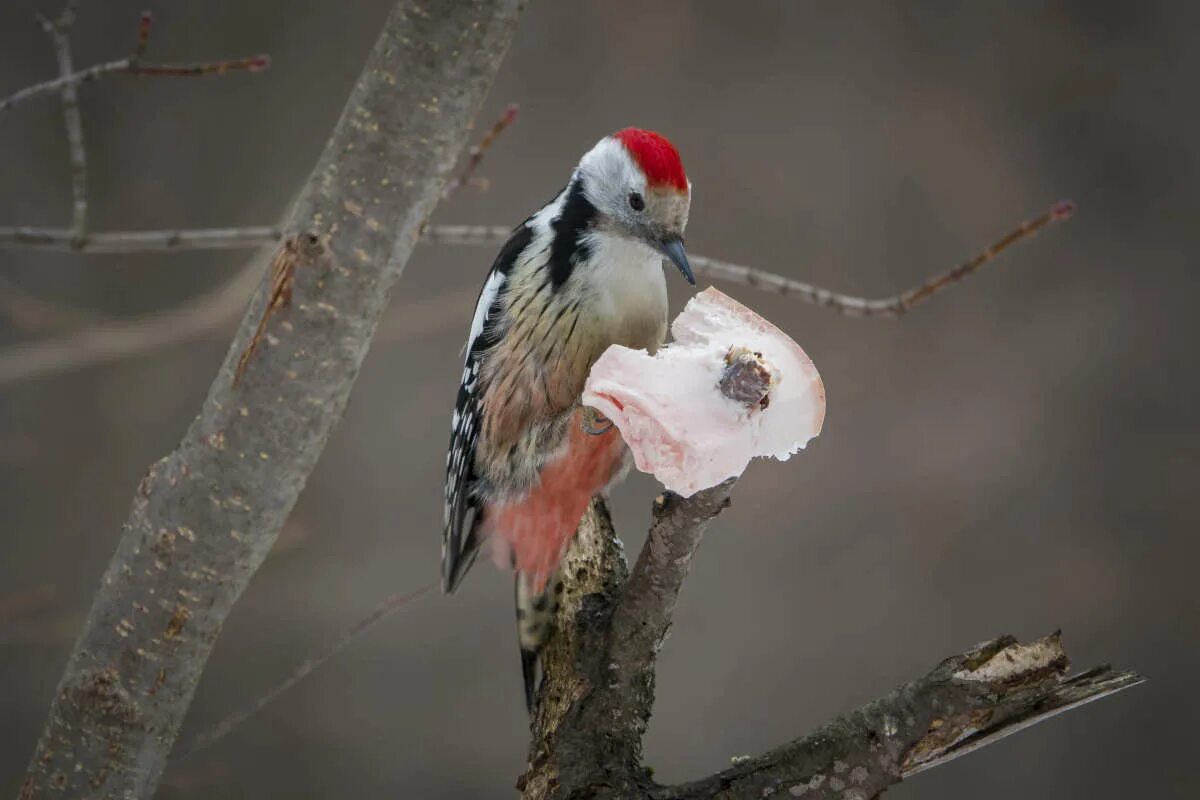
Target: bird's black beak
(673,249)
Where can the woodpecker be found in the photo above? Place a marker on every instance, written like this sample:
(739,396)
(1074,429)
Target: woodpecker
(581,274)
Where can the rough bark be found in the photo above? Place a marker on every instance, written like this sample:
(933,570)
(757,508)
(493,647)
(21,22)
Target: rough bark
(598,691)
(595,700)
(966,702)
(204,518)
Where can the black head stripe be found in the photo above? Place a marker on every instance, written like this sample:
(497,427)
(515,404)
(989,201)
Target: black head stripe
(570,228)
(516,244)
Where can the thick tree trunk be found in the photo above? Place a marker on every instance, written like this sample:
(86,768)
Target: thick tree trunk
(204,518)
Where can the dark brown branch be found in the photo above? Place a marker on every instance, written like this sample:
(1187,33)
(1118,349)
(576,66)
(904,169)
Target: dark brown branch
(966,702)
(598,691)
(646,607)
(69,79)
(201,68)
(204,518)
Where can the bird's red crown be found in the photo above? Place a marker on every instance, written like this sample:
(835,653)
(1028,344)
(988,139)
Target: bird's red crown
(657,157)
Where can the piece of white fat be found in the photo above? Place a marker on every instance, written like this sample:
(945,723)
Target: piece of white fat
(670,409)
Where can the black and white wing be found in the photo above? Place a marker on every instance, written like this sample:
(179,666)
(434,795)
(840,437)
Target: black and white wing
(460,537)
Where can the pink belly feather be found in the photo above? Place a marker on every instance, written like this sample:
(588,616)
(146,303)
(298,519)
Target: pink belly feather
(536,529)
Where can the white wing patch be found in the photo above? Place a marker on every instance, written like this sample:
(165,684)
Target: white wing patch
(486,297)
(464,424)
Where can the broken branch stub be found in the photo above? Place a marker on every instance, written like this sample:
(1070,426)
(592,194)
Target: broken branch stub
(730,387)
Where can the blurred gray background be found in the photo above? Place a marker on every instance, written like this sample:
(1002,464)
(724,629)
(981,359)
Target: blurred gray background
(1018,455)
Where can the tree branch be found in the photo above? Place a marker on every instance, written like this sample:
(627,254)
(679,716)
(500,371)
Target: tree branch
(643,614)
(894,306)
(69,78)
(599,688)
(205,517)
(57,29)
(153,241)
(139,241)
(477,152)
(966,702)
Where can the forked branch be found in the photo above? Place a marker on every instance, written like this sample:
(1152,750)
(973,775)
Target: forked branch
(599,689)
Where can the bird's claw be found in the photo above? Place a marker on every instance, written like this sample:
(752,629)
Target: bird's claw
(595,423)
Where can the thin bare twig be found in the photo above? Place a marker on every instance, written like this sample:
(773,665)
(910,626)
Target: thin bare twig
(200,68)
(466,234)
(305,668)
(61,239)
(894,306)
(131,65)
(74,240)
(88,75)
(151,241)
(477,152)
(143,34)
(58,31)
(111,340)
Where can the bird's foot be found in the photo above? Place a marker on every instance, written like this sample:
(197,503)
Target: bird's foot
(595,423)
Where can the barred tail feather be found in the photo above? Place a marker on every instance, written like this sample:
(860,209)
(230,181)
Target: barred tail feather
(465,548)
(537,603)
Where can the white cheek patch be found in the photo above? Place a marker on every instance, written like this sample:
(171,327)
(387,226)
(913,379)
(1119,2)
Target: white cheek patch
(610,175)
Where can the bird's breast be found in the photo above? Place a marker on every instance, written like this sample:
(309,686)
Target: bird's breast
(627,293)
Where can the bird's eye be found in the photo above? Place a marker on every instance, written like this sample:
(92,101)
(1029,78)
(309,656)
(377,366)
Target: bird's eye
(636,202)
